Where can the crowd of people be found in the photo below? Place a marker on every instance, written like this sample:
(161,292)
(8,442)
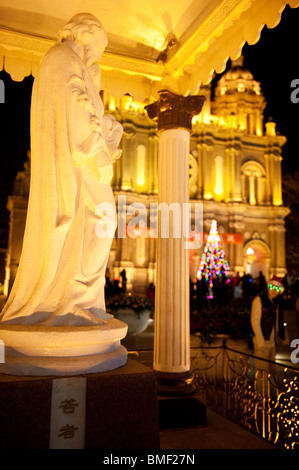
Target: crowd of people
(226,288)
(115,287)
(223,290)
(118,286)
(267,301)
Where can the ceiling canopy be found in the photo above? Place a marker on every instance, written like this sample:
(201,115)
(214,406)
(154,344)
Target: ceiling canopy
(152,45)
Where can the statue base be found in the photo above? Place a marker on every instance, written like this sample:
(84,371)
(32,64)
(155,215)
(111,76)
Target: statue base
(36,350)
(117,409)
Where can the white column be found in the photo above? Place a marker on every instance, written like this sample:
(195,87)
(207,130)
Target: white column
(172,332)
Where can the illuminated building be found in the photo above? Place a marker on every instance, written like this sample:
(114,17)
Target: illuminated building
(235,172)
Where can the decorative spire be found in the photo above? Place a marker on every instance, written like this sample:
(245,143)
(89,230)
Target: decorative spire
(238,62)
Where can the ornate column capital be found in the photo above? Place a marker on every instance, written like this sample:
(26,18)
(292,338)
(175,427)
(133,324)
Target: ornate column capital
(175,111)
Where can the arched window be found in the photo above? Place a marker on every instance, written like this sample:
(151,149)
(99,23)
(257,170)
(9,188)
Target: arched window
(253,183)
(257,258)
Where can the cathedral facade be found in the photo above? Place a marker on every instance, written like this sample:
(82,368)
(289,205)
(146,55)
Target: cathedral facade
(234,173)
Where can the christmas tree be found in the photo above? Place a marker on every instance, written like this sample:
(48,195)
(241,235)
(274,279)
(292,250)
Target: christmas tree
(213,262)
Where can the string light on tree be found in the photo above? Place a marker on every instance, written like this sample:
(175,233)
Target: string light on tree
(213,262)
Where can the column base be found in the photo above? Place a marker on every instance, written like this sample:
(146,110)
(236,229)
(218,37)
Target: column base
(175,383)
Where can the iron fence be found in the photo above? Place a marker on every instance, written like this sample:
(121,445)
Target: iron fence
(257,394)
(260,395)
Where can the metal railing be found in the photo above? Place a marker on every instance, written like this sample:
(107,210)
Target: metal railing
(260,395)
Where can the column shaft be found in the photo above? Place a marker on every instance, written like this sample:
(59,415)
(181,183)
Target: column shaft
(172,333)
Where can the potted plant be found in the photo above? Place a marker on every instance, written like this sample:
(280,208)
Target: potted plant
(133,309)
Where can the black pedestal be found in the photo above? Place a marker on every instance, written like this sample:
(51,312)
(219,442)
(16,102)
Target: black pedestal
(121,410)
(180,412)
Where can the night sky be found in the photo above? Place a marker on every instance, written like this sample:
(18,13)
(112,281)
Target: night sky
(273,62)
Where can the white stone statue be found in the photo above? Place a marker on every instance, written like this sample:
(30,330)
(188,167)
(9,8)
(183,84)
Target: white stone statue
(59,285)
(61,276)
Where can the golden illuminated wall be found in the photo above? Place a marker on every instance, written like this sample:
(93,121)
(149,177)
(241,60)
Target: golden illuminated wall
(137,169)
(239,160)
(234,170)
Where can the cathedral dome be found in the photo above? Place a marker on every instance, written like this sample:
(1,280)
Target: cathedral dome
(237,79)
(238,72)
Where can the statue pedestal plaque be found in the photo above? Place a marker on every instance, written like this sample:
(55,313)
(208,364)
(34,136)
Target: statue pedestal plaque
(117,409)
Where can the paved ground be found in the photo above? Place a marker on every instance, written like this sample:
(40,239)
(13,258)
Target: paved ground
(219,433)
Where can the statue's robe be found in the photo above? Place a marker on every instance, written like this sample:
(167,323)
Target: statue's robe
(61,275)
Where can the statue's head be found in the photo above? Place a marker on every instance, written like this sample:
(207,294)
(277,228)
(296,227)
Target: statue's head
(85,30)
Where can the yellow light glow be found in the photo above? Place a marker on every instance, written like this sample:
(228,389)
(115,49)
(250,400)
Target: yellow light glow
(112,104)
(140,178)
(277,201)
(221,122)
(206,117)
(232,121)
(219,175)
(140,181)
(256,90)
(250,255)
(126,102)
(270,128)
(259,129)
(203,118)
